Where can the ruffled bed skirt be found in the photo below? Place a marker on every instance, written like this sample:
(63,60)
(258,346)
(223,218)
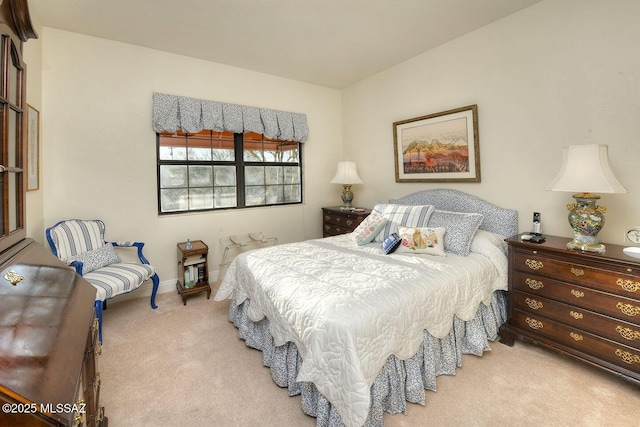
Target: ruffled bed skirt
(398,382)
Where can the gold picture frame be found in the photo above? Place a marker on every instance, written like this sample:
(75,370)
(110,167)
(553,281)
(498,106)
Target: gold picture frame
(33,148)
(440,147)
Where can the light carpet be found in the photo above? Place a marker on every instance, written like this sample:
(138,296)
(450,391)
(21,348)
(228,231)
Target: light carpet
(184,365)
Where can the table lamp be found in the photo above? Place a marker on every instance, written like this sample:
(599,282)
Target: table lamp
(585,170)
(347,175)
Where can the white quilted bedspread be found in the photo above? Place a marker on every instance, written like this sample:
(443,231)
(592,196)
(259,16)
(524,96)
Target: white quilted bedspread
(348,308)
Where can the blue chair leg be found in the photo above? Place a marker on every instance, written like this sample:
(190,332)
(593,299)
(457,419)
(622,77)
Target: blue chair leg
(98,306)
(156,282)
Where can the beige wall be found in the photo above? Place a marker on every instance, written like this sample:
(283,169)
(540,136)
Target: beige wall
(557,73)
(32,56)
(100,150)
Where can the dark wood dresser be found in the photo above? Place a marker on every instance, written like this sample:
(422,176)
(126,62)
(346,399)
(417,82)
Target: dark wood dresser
(582,304)
(48,342)
(338,221)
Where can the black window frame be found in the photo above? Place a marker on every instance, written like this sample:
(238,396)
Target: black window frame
(239,162)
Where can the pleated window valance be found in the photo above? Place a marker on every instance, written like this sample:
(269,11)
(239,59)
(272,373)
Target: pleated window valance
(172,113)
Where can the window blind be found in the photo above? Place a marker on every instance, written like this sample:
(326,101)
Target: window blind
(172,113)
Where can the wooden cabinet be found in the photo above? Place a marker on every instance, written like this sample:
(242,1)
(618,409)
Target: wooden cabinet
(48,329)
(337,221)
(48,342)
(193,269)
(586,305)
(15,29)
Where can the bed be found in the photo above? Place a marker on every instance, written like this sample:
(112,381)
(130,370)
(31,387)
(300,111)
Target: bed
(358,332)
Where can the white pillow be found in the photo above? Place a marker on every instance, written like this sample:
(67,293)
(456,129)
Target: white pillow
(422,240)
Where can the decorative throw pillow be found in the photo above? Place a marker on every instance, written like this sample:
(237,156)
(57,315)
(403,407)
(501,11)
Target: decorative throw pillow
(368,229)
(422,240)
(404,215)
(97,258)
(391,243)
(461,227)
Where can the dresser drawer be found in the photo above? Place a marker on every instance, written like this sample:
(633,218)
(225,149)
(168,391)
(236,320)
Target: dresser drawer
(345,221)
(334,230)
(607,327)
(588,345)
(609,304)
(337,221)
(605,280)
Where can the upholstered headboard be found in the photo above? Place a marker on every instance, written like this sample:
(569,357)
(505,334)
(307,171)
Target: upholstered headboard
(496,219)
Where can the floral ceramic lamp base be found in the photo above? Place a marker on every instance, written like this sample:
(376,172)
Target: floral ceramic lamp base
(586,220)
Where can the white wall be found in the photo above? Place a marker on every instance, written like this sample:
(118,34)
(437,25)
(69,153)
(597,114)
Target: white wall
(100,150)
(32,56)
(561,72)
(558,73)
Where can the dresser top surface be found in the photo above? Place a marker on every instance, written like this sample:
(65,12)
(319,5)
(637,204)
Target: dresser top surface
(558,245)
(44,322)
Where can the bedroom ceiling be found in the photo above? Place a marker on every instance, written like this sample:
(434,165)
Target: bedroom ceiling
(332,43)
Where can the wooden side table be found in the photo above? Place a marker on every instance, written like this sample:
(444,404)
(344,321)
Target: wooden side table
(338,221)
(193,270)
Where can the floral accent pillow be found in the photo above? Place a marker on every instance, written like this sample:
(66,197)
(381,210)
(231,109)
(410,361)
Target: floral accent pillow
(368,229)
(422,240)
(97,258)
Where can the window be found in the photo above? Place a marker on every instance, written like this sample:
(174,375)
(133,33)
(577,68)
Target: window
(212,170)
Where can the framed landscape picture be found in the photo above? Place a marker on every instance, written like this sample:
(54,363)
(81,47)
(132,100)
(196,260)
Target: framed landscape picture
(440,147)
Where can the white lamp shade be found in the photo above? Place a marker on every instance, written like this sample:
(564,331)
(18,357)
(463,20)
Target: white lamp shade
(346,174)
(585,168)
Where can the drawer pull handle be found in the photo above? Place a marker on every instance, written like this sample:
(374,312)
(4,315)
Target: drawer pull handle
(628,309)
(577,271)
(533,264)
(533,304)
(533,323)
(327,217)
(627,357)
(78,417)
(349,222)
(13,277)
(338,219)
(576,337)
(628,334)
(628,285)
(97,381)
(576,315)
(534,284)
(577,294)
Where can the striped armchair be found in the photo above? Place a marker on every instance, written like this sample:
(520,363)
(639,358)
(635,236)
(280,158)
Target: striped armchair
(81,244)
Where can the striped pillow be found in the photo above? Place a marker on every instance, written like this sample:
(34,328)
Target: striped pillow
(403,215)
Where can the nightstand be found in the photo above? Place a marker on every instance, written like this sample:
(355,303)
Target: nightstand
(583,304)
(338,221)
(193,270)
